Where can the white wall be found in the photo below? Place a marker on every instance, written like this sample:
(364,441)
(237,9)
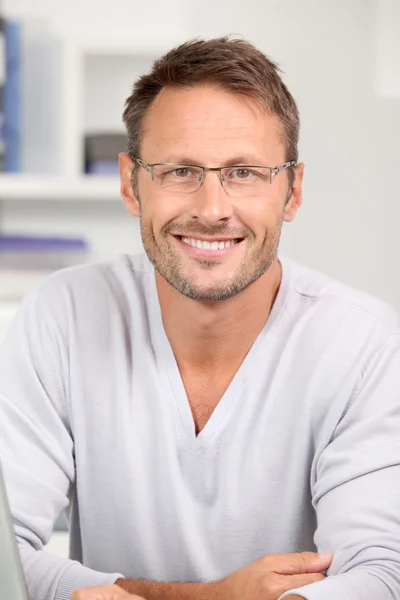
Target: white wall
(338,62)
(81,17)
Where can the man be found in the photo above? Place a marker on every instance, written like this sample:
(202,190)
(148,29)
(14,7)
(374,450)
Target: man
(212,413)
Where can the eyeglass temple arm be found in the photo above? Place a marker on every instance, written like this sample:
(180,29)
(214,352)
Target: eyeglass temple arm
(146,166)
(278,169)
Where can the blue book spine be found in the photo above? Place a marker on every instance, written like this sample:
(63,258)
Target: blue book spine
(2,86)
(25,243)
(12,98)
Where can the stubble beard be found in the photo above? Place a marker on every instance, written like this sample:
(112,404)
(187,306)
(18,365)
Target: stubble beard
(167,262)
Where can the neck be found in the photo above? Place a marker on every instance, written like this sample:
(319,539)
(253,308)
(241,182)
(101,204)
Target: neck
(212,335)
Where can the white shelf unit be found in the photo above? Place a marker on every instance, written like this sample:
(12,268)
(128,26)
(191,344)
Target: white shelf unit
(80,90)
(74,86)
(58,187)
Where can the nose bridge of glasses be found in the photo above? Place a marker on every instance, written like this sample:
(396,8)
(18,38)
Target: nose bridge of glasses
(211,203)
(216,170)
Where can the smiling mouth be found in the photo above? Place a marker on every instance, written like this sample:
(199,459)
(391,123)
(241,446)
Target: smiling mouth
(209,244)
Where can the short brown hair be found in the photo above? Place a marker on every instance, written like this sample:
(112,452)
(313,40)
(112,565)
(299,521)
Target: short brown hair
(230,63)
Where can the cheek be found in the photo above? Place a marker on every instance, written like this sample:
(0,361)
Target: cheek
(158,214)
(262,218)
(159,211)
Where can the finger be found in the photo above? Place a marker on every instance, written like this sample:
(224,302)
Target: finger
(297,563)
(300,580)
(94,593)
(103,592)
(284,583)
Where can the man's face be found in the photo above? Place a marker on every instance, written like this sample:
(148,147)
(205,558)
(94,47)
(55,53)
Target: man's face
(210,127)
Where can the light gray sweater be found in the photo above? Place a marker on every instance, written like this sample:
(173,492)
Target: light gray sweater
(302,452)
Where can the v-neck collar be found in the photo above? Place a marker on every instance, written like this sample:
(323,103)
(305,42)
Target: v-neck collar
(171,378)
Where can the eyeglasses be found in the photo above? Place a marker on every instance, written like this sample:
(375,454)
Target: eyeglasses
(237,180)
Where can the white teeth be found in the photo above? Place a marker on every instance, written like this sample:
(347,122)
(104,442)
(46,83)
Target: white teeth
(205,245)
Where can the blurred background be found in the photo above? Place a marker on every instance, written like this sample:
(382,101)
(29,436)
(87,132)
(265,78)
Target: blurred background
(67,68)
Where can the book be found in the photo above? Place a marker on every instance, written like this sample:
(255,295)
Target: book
(26,260)
(2,89)
(40,242)
(102,167)
(41,252)
(101,152)
(12,97)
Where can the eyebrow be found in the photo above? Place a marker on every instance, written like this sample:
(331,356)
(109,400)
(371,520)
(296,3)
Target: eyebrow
(235,161)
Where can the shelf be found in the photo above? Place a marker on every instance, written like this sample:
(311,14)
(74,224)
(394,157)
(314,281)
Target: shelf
(55,188)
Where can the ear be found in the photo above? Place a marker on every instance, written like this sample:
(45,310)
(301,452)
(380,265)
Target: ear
(125,173)
(296,196)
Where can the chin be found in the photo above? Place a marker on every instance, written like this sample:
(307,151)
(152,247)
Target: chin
(215,293)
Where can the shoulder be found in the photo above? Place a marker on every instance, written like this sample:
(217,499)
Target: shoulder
(122,271)
(334,301)
(339,336)
(91,289)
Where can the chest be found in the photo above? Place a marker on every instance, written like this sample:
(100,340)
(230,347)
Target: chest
(204,392)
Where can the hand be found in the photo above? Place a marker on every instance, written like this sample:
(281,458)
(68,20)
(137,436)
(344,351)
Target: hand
(103,592)
(271,576)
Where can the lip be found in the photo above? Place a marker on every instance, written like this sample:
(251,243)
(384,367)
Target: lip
(204,238)
(205,252)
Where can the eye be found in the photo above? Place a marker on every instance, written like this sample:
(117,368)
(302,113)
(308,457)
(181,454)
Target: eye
(253,175)
(241,174)
(182,172)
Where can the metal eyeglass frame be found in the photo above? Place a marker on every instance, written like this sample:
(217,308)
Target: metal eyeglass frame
(149,167)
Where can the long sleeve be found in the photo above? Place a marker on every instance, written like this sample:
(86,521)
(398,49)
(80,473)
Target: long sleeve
(356,489)
(36,442)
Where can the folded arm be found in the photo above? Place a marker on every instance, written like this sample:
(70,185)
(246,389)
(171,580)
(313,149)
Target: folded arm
(356,489)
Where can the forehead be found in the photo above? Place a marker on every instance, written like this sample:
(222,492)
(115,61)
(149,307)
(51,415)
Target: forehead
(206,123)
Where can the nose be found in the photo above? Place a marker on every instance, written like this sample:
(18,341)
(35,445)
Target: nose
(211,204)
